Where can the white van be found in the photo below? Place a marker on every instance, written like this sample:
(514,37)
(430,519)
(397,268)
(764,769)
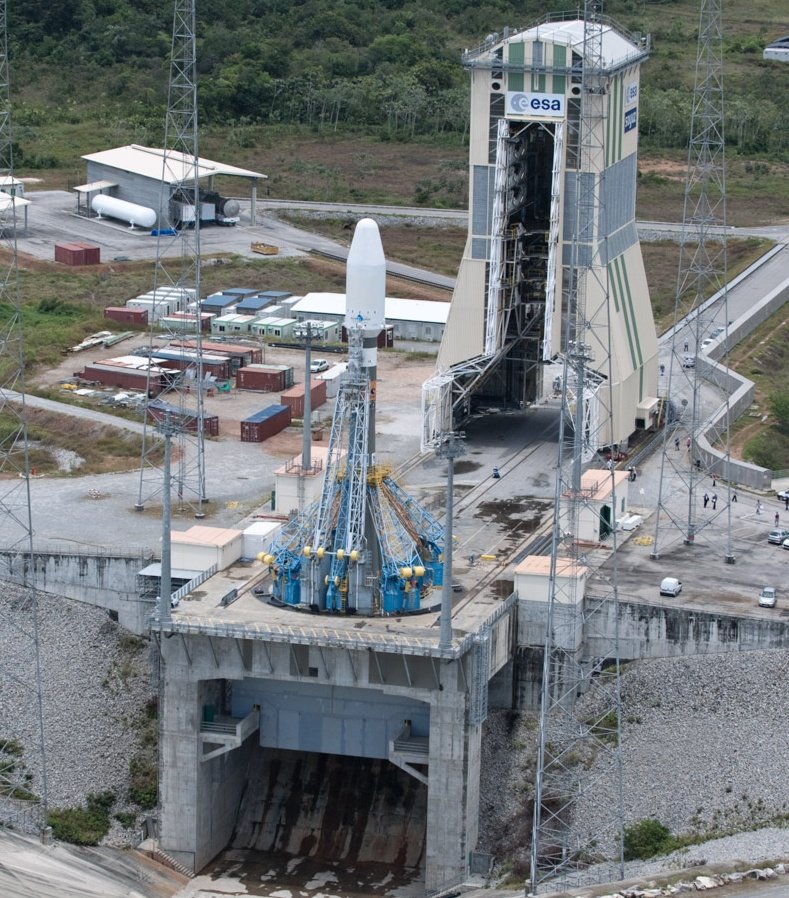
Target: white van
(670,586)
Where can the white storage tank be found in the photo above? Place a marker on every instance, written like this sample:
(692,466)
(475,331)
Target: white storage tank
(123,210)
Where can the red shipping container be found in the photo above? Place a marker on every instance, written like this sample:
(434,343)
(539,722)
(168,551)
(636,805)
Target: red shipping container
(264,378)
(294,397)
(70,253)
(126,315)
(265,423)
(91,253)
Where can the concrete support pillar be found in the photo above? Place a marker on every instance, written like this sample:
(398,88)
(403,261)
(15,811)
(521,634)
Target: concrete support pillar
(453,790)
(199,799)
(178,789)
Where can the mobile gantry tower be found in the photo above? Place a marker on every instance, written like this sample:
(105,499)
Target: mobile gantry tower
(514,286)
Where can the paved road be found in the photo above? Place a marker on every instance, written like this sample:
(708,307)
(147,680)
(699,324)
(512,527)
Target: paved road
(53,219)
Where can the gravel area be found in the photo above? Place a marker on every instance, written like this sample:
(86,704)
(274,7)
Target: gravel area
(96,684)
(704,749)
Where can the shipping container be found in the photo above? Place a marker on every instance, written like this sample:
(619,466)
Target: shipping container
(294,397)
(70,253)
(126,315)
(182,359)
(179,319)
(128,378)
(240,354)
(265,378)
(265,423)
(91,253)
(385,337)
(158,411)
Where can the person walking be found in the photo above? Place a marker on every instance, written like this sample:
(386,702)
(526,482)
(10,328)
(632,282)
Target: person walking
(714,480)
(706,499)
(777,519)
(786,502)
(758,507)
(714,500)
(734,495)
(676,443)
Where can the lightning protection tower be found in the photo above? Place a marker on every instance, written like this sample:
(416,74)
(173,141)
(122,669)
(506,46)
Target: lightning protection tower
(697,412)
(579,762)
(23,777)
(177,284)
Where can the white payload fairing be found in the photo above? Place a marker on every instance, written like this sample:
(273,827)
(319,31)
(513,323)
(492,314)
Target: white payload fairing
(365,301)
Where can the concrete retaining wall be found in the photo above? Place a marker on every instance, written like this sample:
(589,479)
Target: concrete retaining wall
(645,631)
(104,580)
(741,392)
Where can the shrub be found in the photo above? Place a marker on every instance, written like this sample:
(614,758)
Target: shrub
(83,826)
(646,838)
(144,788)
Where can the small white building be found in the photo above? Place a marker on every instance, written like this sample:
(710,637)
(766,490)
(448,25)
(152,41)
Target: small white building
(199,547)
(233,324)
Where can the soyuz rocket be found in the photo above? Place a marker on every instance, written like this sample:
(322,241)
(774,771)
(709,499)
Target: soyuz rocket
(365,295)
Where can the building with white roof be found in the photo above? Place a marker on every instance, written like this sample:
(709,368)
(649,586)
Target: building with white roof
(412,319)
(137,174)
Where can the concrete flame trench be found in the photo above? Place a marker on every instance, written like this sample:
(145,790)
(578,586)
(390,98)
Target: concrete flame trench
(252,687)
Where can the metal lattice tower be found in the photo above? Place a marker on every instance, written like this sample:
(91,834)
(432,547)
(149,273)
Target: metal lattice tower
(177,274)
(23,777)
(580,698)
(697,398)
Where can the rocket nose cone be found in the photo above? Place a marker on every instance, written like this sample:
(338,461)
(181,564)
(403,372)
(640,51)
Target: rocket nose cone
(366,247)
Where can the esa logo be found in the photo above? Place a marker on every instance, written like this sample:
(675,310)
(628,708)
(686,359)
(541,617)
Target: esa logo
(536,105)
(631,119)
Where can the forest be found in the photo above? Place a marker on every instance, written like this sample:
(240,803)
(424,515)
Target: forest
(388,69)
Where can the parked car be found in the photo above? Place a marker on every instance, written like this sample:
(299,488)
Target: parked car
(318,365)
(785,544)
(783,494)
(689,361)
(777,536)
(705,344)
(670,586)
(767,597)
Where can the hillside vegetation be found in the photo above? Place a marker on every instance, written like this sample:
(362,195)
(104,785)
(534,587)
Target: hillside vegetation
(88,74)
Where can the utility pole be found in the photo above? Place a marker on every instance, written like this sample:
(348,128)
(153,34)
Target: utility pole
(697,413)
(23,768)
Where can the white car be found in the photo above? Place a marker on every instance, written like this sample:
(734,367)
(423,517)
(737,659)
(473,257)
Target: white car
(318,365)
(705,344)
(689,361)
(767,597)
(670,586)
